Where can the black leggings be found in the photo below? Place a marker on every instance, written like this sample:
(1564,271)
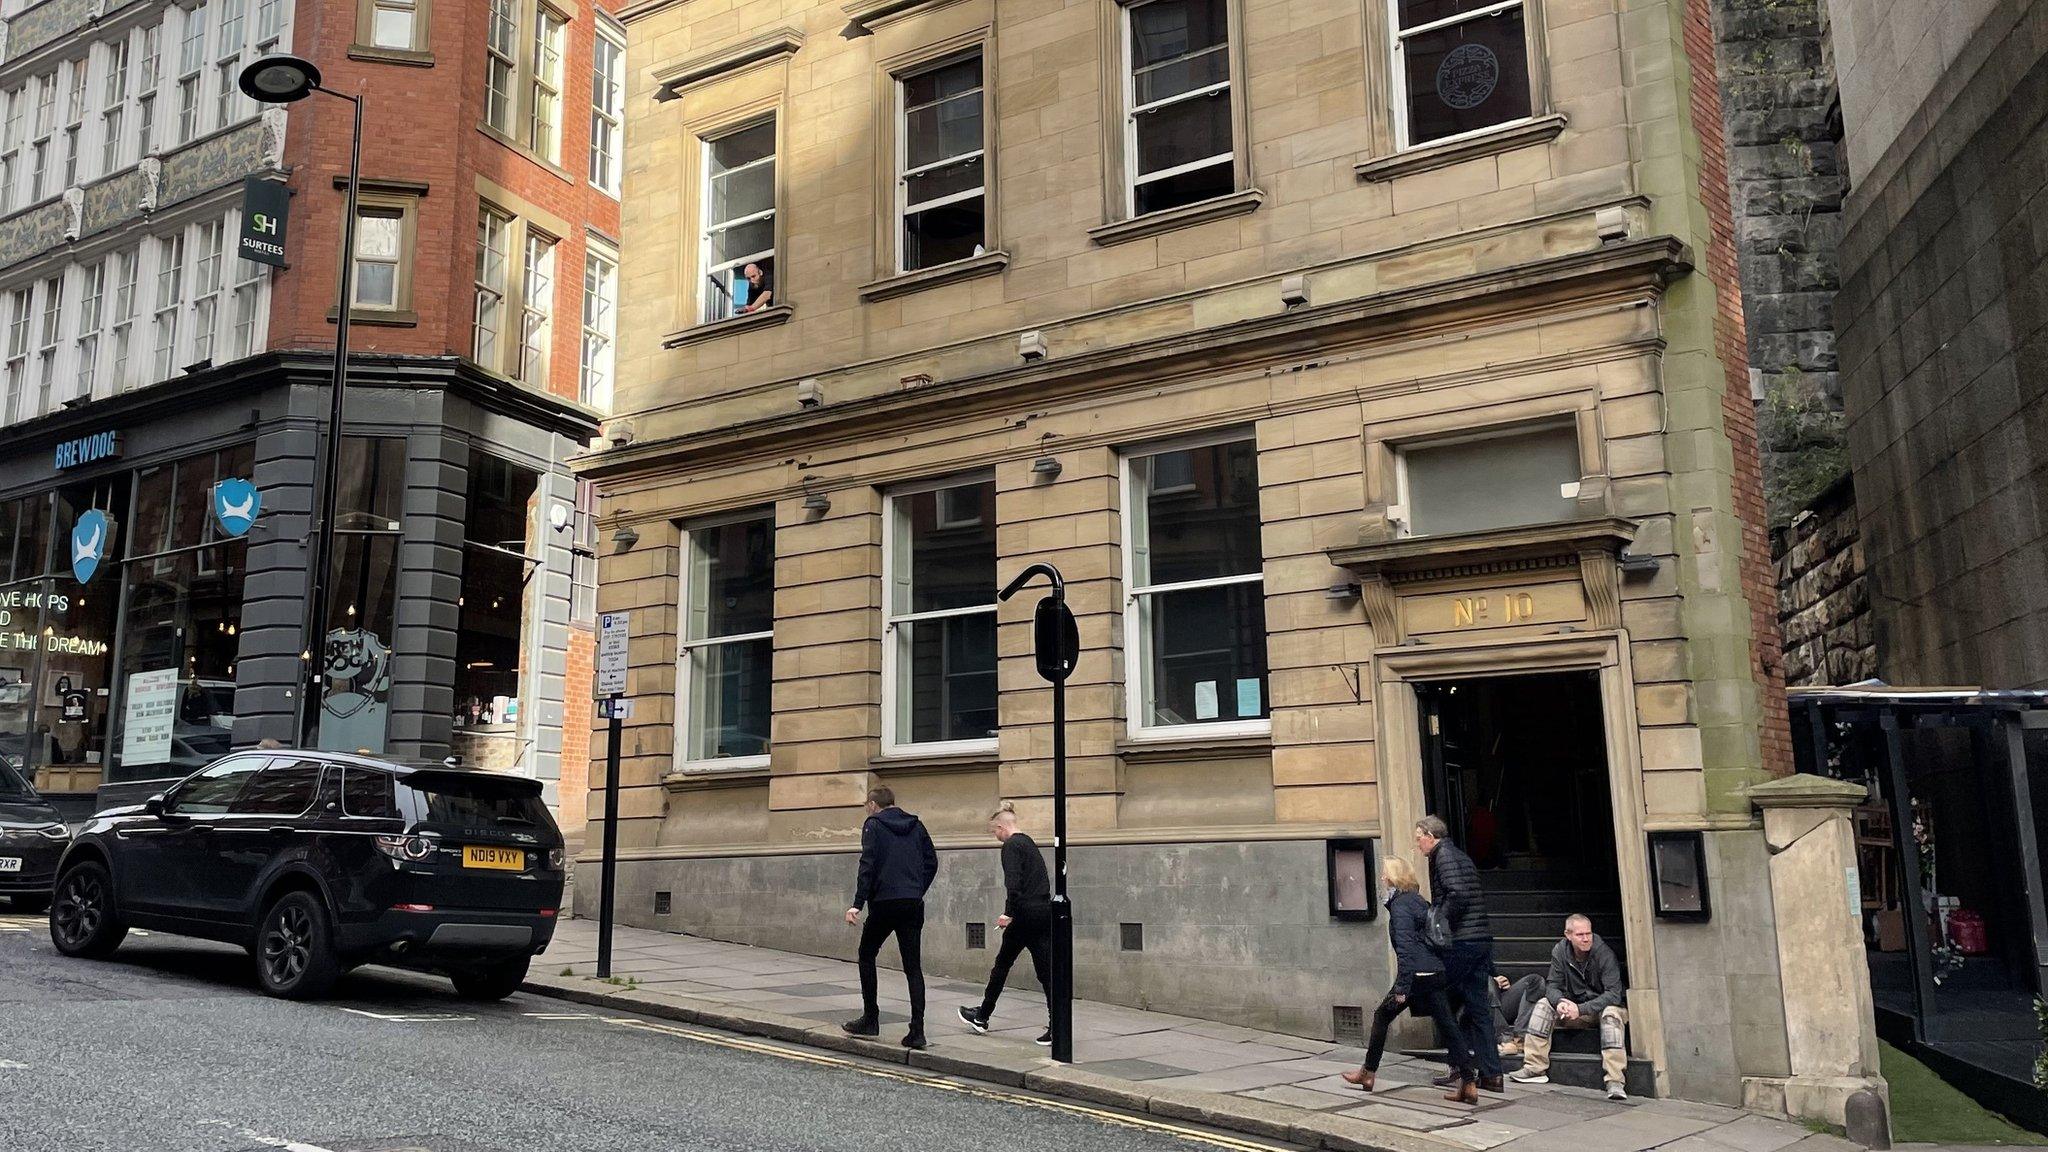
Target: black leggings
(1030,928)
(904,918)
(1425,998)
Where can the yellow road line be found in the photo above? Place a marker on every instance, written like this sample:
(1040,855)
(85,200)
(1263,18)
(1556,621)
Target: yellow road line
(1214,1140)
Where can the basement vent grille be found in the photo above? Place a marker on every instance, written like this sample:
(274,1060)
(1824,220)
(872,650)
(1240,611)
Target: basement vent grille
(661,903)
(977,936)
(1347,1023)
(1133,937)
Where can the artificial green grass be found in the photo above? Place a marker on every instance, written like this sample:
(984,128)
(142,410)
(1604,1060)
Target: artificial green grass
(1926,1109)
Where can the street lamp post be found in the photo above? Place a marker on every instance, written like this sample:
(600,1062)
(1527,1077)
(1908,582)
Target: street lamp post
(282,79)
(1056,647)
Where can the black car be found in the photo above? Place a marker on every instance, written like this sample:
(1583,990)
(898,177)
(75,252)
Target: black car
(32,838)
(318,862)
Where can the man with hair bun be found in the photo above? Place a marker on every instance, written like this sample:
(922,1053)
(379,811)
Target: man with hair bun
(1026,920)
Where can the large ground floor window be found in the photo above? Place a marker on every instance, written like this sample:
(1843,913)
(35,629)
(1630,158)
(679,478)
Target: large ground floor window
(356,652)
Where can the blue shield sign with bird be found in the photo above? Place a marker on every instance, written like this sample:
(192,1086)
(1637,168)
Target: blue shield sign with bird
(236,504)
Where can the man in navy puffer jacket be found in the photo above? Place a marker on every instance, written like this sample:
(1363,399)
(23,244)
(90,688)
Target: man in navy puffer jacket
(897,867)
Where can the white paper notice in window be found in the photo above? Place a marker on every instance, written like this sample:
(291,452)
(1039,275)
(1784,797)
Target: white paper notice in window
(1205,700)
(1248,699)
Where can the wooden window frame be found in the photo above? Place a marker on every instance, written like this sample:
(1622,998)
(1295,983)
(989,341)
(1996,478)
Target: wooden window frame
(1390,155)
(419,46)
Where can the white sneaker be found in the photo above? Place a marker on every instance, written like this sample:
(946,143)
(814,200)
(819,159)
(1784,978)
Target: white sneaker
(1616,1091)
(1527,1077)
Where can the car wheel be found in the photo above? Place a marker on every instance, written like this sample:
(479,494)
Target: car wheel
(295,949)
(490,982)
(30,905)
(82,919)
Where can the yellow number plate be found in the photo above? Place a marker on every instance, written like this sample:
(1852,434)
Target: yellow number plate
(506,859)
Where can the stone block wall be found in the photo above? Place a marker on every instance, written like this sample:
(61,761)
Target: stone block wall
(1823,593)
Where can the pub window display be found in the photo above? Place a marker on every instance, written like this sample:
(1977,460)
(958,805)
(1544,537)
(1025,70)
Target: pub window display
(1460,66)
(496,569)
(355,700)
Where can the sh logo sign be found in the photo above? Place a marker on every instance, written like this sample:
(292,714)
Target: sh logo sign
(266,206)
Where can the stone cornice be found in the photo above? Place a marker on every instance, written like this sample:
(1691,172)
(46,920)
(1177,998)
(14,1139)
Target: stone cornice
(1630,268)
(780,44)
(1459,553)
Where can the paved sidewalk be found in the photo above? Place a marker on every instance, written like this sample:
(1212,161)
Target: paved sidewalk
(1265,1084)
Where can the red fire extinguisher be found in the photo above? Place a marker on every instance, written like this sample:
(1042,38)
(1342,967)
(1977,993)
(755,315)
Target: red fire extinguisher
(1966,932)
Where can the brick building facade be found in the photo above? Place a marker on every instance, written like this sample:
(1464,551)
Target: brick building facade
(485,284)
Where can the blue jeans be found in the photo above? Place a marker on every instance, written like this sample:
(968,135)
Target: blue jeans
(1468,969)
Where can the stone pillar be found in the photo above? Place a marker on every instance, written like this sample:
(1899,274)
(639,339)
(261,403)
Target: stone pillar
(1830,1022)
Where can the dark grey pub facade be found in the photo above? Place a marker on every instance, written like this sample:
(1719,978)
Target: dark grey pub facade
(458,563)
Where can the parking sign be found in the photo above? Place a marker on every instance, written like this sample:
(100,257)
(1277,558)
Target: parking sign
(611,653)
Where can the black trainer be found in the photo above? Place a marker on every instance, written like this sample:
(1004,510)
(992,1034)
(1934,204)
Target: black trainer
(1045,1041)
(973,1020)
(864,1026)
(914,1038)
(1447,1080)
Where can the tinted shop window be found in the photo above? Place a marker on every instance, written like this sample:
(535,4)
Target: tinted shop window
(180,642)
(285,789)
(1462,65)
(75,679)
(488,646)
(368,793)
(357,650)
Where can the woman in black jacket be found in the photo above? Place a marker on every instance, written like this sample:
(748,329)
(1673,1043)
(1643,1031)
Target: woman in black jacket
(1418,983)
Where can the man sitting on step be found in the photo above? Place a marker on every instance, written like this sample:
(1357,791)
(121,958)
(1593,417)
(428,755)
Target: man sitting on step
(1584,988)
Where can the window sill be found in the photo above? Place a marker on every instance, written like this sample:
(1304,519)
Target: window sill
(1185,216)
(1183,745)
(767,317)
(401,318)
(912,761)
(519,147)
(407,56)
(972,268)
(752,769)
(1429,157)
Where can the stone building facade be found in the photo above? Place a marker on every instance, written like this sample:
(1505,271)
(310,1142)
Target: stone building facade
(1937,315)
(128,320)
(1386,414)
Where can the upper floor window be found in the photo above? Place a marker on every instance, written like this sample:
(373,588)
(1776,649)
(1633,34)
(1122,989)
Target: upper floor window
(739,221)
(607,106)
(1459,66)
(20,306)
(395,24)
(939,620)
(501,64)
(544,92)
(537,308)
(600,327)
(46,342)
(1502,478)
(942,186)
(191,58)
(1180,142)
(91,314)
(384,252)
(148,74)
(1195,612)
(39,149)
(228,102)
(113,106)
(725,656)
(493,236)
(74,120)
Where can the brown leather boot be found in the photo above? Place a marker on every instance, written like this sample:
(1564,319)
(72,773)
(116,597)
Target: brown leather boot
(1363,1078)
(1467,1092)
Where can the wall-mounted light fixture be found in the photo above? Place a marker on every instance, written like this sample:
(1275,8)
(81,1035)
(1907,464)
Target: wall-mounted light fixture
(626,537)
(809,393)
(816,502)
(1634,565)
(1678,875)
(1031,346)
(1293,290)
(1046,466)
(1339,593)
(1354,880)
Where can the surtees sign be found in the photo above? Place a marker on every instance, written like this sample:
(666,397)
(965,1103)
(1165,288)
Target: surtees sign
(88,449)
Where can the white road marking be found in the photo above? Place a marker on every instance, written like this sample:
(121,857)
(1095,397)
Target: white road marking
(267,1141)
(558,1015)
(411,1018)
(12,1066)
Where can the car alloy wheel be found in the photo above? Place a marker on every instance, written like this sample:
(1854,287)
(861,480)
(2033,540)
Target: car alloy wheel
(287,944)
(83,921)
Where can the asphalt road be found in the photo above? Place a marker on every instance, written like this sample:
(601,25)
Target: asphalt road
(169,1047)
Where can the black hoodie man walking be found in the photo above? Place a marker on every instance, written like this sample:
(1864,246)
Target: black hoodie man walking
(897,867)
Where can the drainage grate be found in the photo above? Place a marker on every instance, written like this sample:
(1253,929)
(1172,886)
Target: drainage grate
(661,904)
(977,935)
(1347,1023)
(1133,937)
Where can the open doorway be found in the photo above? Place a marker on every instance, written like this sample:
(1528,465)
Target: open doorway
(1517,766)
